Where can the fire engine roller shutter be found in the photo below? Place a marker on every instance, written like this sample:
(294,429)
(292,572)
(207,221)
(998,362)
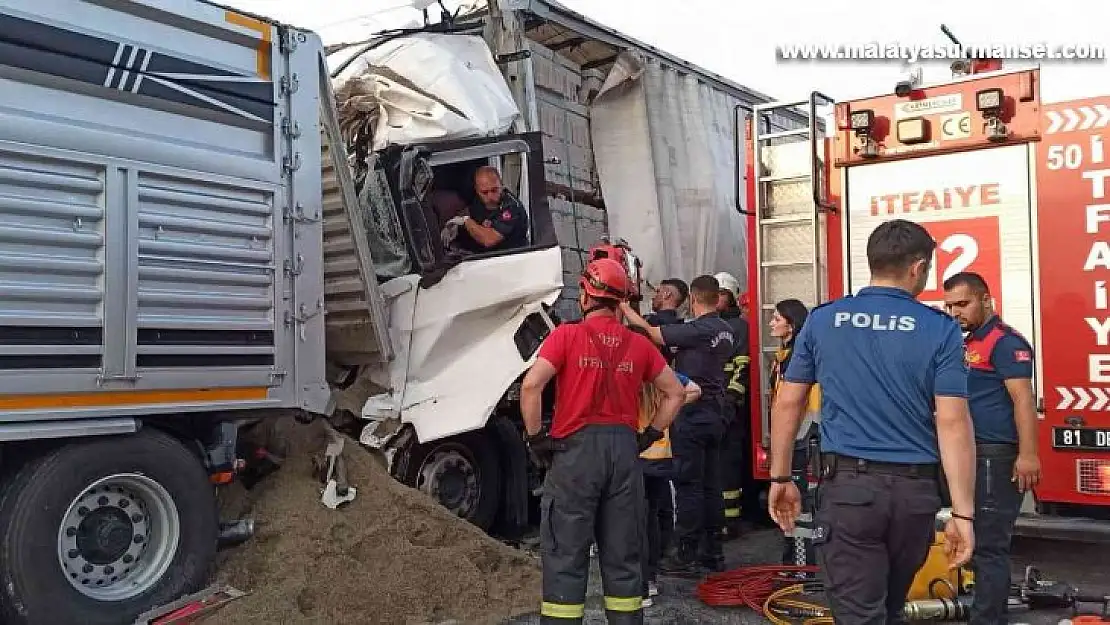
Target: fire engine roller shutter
(975,204)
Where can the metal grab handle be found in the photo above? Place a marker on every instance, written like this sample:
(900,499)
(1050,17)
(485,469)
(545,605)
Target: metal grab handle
(737,132)
(819,202)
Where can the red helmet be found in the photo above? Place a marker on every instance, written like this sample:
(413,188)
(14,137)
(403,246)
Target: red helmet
(605,278)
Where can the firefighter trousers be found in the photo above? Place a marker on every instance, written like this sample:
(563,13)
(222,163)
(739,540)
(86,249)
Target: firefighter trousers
(733,463)
(696,439)
(594,492)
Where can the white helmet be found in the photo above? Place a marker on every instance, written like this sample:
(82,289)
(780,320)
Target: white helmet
(728,283)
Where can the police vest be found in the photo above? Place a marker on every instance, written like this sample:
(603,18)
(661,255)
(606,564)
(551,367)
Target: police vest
(649,405)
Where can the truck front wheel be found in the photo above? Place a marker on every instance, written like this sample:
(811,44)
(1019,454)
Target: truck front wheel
(462,473)
(99,531)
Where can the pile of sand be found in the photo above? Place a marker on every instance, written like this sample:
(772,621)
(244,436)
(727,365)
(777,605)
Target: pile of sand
(392,556)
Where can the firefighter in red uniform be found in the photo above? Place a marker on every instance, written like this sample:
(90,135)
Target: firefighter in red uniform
(594,486)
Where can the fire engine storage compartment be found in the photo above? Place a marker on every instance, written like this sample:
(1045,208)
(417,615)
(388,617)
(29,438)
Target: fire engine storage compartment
(616,113)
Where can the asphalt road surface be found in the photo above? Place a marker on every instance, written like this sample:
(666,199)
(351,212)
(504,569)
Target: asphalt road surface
(1085,566)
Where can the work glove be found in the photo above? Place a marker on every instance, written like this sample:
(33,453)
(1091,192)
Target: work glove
(542,449)
(647,438)
(451,229)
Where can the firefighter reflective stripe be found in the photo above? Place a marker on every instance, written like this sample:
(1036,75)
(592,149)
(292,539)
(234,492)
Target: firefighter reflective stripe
(732,503)
(736,370)
(624,604)
(564,610)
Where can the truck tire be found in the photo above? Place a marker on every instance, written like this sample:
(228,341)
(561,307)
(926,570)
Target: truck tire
(462,473)
(98,531)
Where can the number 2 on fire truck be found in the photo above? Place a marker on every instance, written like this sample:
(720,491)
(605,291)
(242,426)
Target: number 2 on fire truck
(963,245)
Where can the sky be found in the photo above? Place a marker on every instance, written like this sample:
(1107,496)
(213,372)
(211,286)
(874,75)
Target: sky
(738,39)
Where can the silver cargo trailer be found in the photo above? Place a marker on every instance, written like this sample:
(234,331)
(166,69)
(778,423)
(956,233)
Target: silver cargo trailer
(161,276)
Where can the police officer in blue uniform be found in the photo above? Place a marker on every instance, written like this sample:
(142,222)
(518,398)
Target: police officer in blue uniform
(886,365)
(1004,412)
(665,304)
(705,344)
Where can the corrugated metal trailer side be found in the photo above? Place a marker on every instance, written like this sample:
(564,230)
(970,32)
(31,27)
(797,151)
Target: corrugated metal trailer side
(159,173)
(571,57)
(161,253)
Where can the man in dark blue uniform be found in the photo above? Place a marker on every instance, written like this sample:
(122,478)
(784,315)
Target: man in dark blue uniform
(885,363)
(665,303)
(668,298)
(498,222)
(705,344)
(1000,389)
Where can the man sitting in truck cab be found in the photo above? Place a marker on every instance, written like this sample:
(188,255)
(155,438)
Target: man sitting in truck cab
(496,222)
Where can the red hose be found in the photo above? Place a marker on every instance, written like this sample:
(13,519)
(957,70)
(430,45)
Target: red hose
(748,586)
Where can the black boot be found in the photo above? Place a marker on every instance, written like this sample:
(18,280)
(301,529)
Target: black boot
(712,555)
(713,564)
(680,561)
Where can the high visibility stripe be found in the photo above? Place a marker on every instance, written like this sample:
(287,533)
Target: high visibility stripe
(659,450)
(563,610)
(262,54)
(731,494)
(624,604)
(732,513)
(131,398)
(735,368)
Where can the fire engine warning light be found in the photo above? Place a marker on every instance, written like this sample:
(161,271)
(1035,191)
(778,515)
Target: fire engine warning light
(988,100)
(861,120)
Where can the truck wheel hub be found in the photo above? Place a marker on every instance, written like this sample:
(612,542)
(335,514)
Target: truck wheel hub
(450,478)
(105,534)
(118,537)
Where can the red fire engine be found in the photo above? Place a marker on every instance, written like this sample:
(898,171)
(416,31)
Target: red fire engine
(1011,188)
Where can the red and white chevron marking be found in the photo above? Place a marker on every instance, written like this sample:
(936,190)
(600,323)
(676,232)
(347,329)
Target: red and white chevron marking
(1083,398)
(1090,117)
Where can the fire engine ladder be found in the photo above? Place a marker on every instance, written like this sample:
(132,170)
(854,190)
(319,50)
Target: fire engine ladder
(790,209)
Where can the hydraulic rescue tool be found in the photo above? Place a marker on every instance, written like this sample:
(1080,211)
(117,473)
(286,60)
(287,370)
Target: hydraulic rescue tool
(776,592)
(1037,593)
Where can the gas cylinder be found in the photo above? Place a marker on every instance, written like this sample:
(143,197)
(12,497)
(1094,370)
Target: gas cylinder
(936,568)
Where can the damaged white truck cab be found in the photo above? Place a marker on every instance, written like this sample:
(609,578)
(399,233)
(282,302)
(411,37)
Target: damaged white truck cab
(176,262)
(462,328)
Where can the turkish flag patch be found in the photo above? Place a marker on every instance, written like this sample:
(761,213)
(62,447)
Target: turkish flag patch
(506,215)
(1022,355)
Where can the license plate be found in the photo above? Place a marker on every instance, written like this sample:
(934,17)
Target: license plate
(1090,439)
